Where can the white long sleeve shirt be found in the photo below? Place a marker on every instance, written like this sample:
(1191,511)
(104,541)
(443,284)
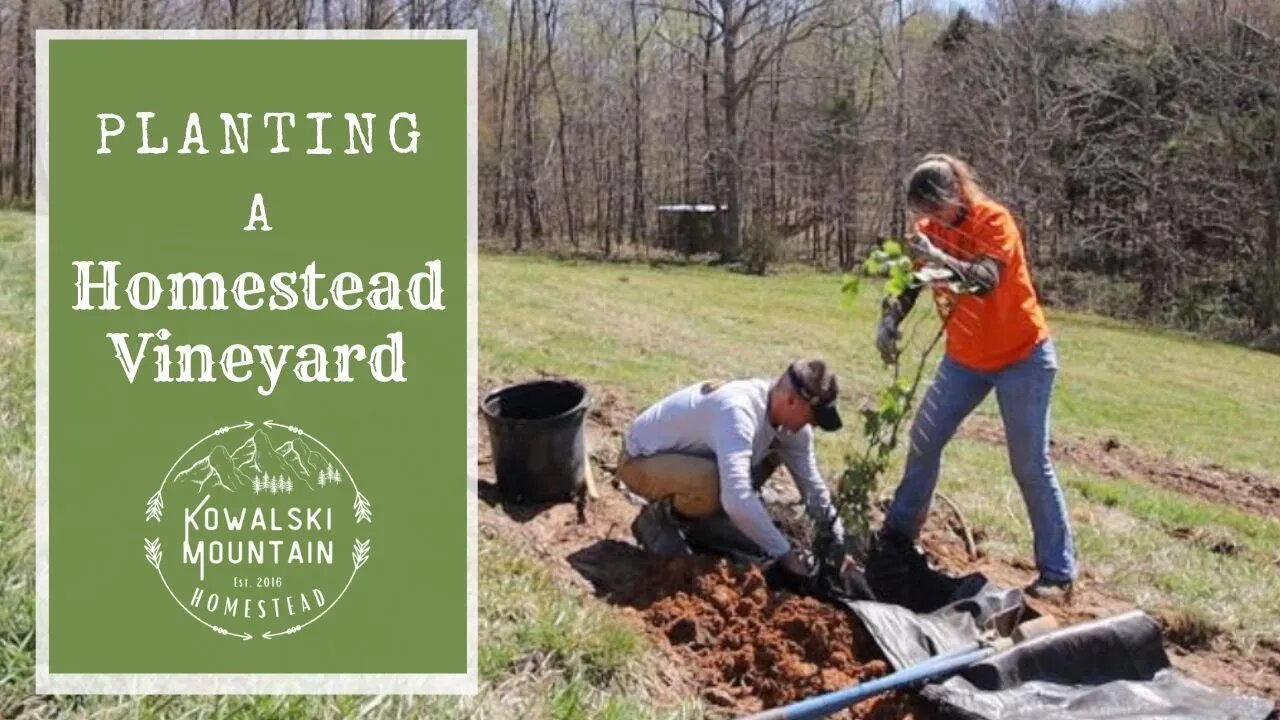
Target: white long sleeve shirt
(731,423)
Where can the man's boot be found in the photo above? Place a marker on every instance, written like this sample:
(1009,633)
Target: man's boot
(657,530)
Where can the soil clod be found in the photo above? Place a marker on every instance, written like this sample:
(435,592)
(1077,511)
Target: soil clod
(770,646)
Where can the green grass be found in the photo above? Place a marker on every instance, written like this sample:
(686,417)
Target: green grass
(546,652)
(647,330)
(17,456)
(1174,511)
(643,331)
(1123,539)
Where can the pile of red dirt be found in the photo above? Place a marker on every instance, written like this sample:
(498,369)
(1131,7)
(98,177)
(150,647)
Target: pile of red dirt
(756,646)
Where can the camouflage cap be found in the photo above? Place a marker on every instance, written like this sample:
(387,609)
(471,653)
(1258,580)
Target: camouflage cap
(817,385)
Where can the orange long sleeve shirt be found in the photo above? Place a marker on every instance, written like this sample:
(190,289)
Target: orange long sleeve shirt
(992,331)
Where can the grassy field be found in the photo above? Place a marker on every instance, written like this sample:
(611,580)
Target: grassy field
(639,331)
(642,331)
(647,330)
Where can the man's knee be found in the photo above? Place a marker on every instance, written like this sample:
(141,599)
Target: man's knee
(691,483)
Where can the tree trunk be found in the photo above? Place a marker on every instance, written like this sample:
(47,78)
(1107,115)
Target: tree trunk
(620,193)
(565,188)
(23,168)
(730,151)
(528,185)
(773,143)
(637,135)
(4,106)
(900,124)
(712,182)
(608,208)
(1270,315)
(686,157)
(597,180)
(499,196)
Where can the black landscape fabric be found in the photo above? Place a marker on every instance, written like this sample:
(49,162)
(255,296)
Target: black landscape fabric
(1111,668)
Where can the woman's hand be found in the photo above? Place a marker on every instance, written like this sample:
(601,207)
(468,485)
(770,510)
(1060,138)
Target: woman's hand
(979,276)
(922,247)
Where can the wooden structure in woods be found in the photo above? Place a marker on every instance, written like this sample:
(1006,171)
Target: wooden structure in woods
(690,229)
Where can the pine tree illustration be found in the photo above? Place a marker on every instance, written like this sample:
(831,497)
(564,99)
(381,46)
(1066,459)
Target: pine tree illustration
(275,486)
(257,486)
(320,479)
(288,485)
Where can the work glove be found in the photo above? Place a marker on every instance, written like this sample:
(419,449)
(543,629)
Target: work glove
(922,247)
(797,562)
(887,337)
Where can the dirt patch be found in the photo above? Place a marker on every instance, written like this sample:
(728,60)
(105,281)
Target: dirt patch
(1189,631)
(740,645)
(754,647)
(687,608)
(1212,539)
(1250,492)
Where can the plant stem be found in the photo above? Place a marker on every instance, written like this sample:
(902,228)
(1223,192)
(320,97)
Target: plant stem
(915,382)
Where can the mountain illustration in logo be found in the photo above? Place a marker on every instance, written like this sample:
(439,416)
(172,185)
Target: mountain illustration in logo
(216,467)
(256,465)
(301,458)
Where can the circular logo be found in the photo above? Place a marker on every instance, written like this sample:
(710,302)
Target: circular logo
(257,530)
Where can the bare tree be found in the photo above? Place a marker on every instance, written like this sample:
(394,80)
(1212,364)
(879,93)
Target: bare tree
(23,178)
(750,35)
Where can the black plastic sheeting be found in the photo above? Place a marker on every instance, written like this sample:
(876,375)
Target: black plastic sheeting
(1109,668)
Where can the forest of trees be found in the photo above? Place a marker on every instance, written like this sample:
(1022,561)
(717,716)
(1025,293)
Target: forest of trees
(1137,140)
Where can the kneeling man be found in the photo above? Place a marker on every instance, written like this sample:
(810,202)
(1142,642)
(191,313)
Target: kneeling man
(701,455)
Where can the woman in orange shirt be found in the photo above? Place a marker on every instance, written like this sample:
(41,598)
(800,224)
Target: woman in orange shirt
(997,339)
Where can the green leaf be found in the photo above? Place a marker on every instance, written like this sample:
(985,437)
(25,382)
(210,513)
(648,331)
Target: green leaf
(887,401)
(873,265)
(900,278)
(895,286)
(893,248)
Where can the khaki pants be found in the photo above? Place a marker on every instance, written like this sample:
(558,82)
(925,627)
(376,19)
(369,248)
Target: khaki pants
(691,482)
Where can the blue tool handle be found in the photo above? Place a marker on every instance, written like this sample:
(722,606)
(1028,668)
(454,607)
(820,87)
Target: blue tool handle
(821,706)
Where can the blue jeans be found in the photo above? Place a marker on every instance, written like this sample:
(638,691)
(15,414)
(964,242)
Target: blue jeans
(1023,391)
